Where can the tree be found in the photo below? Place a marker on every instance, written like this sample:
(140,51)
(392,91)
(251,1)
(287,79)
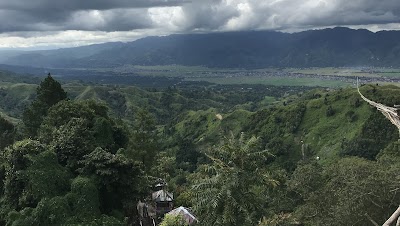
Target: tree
(143,145)
(231,189)
(353,191)
(330,111)
(173,220)
(120,181)
(72,141)
(45,177)
(186,155)
(50,91)
(32,173)
(7,132)
(18,158)
(376,133)
(48,94)
(74,129)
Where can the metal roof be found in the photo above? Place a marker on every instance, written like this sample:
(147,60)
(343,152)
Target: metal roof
(162,196)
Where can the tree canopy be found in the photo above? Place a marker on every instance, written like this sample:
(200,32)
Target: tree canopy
(48,94)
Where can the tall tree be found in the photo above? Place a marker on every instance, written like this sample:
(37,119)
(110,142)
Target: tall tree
(48,93)
(230,190)
(143,144)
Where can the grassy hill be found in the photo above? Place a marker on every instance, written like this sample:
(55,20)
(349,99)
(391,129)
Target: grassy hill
(320,122)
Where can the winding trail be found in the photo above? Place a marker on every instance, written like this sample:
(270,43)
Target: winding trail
(389,112)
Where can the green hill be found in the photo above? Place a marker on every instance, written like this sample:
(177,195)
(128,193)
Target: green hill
(326,150)
(323,121)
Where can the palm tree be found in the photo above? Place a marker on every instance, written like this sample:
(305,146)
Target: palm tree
(229,190)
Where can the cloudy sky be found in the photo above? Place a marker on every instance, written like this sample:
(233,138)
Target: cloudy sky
(65,23)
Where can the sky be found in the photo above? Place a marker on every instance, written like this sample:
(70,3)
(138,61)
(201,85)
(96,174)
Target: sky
(43,24)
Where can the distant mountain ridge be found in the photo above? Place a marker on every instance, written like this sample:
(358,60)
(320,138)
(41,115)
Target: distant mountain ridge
(248,49)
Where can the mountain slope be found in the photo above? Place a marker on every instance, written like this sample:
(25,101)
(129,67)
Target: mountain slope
(250,49)
(55,58)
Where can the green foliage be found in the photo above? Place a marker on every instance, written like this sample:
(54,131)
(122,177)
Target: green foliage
(355,101)
(228,191)
(279,220)
(390,155)
(115,100)
(18,158)
(323,135)
(229,183)
(104,220)
(7,133)
(376,133)
(81,206)
(72,141)
(103,131)
(205,127)
(50,91)
(52,211)
(78,135)
(84,198)
(64,111)
(74,129)
(173,220)
(187,156)
(119,180)
(345,193)
(48,94)
(144,140)
(330,111)
(276,126)
(165,165)
(32,173)
(351,116)
(112,169)
(15,97)
(33,117)
(270,123)
(46,178)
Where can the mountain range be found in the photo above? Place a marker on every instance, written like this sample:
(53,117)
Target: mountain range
(333,47)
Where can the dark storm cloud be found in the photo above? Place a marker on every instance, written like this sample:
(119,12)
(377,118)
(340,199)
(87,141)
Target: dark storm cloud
(355,12)
(208,14)
(203,15)
(106,15)
(111,20)
(287,14)
(74,5)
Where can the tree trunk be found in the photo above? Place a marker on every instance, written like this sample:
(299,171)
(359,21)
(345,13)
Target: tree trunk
(393,218)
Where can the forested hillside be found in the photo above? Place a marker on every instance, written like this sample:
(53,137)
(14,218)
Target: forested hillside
(78,154)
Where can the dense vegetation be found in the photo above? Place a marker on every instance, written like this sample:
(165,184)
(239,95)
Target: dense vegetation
(238,155)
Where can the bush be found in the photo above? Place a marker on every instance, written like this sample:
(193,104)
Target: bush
(330,111)
(173,220)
